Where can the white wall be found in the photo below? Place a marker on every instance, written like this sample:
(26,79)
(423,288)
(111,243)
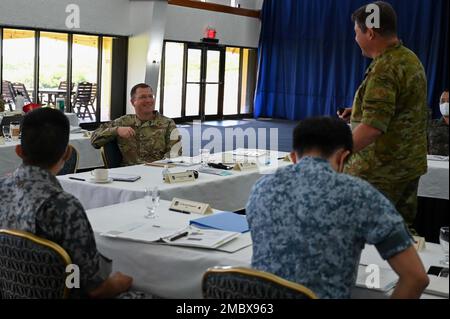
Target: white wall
(187,24)
(96,16)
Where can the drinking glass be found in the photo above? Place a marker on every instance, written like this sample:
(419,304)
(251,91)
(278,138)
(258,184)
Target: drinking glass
(151,201)
(204,156)
(6,133)
(443,240)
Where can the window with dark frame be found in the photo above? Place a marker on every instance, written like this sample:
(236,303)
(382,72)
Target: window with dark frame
(41,62)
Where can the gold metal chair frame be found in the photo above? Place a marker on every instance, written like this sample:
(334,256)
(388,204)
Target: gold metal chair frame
(45,243)
(263,275)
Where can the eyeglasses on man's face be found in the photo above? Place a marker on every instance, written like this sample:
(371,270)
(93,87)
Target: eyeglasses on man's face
(145,96)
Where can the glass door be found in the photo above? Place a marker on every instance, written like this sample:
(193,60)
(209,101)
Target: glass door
(204,82)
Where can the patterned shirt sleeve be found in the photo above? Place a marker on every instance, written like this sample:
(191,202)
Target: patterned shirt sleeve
(63,220)
(105,133)
(380,98)
(382,225)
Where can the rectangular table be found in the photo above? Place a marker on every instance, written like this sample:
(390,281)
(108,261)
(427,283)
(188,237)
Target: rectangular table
(221,192)
(435,183)
(89,156)
(176,272)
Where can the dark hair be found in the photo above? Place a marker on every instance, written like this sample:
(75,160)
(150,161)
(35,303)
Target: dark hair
(45,135)
(388,19)
(324,134)
(139,86)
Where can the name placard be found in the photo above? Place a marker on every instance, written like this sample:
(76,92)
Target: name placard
(288,158)
(245,166)
(173,178)
(187,206)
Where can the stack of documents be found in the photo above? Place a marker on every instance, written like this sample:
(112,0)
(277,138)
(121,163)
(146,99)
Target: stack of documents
(124,177)
(249,152)
(190,237)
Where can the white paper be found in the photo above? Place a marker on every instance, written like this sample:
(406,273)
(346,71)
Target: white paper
(369,280)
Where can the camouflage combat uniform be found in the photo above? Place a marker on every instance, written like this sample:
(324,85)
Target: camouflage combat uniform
(438,138)
(392,98)
(154,140)
(32,200)
(309,222)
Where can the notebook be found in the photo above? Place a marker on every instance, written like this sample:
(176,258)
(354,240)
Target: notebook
(124,177)
(223,221)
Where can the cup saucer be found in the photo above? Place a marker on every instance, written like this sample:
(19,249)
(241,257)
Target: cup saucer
(95,181)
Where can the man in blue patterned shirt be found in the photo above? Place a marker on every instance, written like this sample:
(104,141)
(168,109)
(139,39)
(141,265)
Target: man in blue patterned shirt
(309,223)
(32,200)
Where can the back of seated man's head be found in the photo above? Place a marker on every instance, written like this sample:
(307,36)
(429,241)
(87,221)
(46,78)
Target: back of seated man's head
(325,137)
(44,138)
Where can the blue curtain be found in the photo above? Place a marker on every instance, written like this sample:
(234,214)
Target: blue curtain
(310,64)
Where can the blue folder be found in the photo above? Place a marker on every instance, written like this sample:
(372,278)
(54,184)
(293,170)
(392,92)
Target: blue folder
(223,221)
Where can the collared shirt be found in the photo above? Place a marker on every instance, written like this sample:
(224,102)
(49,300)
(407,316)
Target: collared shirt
(154,140)
(309,225)
(392,98)
(438,137)
(32,200)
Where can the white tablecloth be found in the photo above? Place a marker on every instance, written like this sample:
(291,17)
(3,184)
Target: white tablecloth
(89,156)
(73,119)
(221,192)
(176,272)
(435,183)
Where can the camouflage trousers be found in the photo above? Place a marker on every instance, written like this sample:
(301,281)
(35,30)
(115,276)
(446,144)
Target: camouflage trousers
(404,197)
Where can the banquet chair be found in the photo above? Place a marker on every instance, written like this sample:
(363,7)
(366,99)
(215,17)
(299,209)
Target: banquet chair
(31,267)
(111,155)
(71,165)
(247,283)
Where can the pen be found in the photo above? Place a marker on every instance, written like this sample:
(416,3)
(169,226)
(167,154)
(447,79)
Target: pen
(77,179)
(179,236)
(179,211)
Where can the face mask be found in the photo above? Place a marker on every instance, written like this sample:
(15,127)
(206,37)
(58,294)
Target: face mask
(444,109)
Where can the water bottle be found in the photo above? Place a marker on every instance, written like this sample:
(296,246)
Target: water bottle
(165,172)
(19,101)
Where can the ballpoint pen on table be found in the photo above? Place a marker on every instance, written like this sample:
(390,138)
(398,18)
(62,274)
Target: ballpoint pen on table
(77,179)
(179,236)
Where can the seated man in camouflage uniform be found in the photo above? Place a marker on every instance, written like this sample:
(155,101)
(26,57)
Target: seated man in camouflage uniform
(144,137)
(32,200)
(438,130)
(309,223)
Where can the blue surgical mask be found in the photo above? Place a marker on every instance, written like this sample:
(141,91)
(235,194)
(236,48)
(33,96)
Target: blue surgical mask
(444,109)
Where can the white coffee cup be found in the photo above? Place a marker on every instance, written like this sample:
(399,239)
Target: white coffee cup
(100,174)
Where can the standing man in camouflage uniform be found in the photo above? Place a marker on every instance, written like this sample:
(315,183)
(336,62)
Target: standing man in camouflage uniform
(438,130)
(389,114)
(144,137)
(32,200)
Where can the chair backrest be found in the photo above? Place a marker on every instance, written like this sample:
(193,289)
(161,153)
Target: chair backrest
(111,155)
(20,87)
(83,95)
(246,283)
(71,165)
(93,94)
(8,93)
(63,85)
(31,267)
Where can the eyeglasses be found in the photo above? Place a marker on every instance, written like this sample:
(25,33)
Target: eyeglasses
(143,97)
